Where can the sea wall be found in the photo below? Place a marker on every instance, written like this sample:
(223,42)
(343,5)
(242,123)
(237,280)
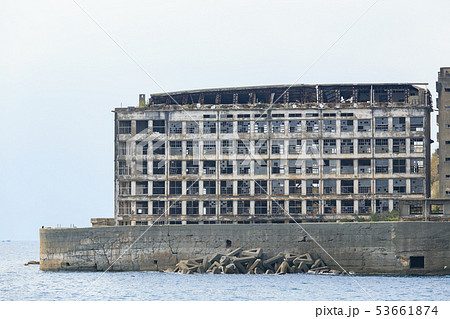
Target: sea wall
(365,248)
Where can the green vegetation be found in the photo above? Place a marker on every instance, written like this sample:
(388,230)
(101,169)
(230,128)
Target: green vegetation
(434,180)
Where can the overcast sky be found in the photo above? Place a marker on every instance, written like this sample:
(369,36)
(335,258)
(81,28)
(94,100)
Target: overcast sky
(61,76)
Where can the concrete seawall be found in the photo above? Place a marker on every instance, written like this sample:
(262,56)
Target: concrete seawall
(365,248)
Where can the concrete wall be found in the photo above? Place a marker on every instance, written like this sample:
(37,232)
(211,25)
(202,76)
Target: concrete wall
(367,248)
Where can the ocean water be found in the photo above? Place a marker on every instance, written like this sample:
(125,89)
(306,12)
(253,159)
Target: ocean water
(19,282)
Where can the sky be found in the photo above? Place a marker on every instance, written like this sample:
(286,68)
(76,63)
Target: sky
(61,75)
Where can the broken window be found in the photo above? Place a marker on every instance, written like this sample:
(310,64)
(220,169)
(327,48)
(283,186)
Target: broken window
(295,166)
(346,187)
(312,126)
(124,188)
(329,126)
(312,114)
(382,205)
(399,165)
(346,125)
(312,207)
(416,165)
(329,166)
(364,207)
(415,209)
(295,115)
(260,187)
(416,124)
(381,124)
(141,208)
(192,207)
(159,148)
(209,167)
(175,148)
(226,187)
(124,208)
(277,166)
(192,128)
(364,166)
(329,186)
(159,167)
(209,147)
(158,208)
(175,188)
(209,187)
(364,186)
(399,145)
(175,207)
(209,127)
(295,146)
(277,146)
(243,187)
(176,127)
(381,166)
(312,146)
(260,167)
(226,127)
(260,126)
(243,167)
(364,125)
(399,185)
(192,167)
(382,186)
(295,186)
(209,207)
(226,167)
(243,147)
(329,206)
(312,167)
(398,124)
(175,167)
(278,207)
(346,146)
(226,207)
(124,127)
(159,126)
(347,206)
(261,147)
(295,126)
(329,147)
(381,145)
(192,148)
(142,148)
(141,168)
(416,145)
(142,188)
(159,187)
(312,186)
(243,126)
(295,207)
(243,207)
(227,147)
(277,187)
(260,207)
(141,127)
(124,168)
(192,188)
(364,146)
(417,185)
(277,126)
(347,166)
(123,149)
(243,116)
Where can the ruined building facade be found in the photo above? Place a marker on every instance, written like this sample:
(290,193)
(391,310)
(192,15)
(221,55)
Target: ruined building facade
(271,154)
(443,104)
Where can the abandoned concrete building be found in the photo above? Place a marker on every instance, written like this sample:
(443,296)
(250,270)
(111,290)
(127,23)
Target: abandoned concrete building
(271,154)
(443,104)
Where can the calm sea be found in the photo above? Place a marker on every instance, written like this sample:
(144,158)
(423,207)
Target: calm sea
(19,282)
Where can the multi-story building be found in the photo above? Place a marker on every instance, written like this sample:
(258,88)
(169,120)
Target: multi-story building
(271,154)
(443,104)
